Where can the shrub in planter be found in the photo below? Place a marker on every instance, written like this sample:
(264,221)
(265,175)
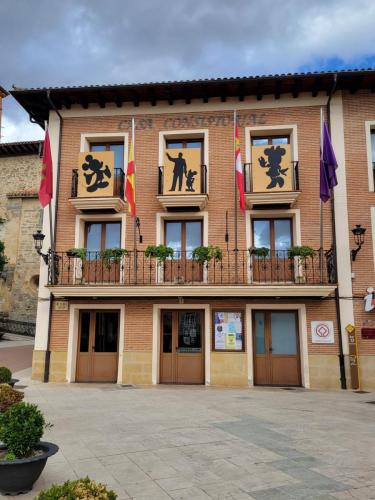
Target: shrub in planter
(159,252)
(5,375)
(22,456)
(259,251)
(80,253)
(112,256)
(79,489)
(205,254)
(9,396)
(303,252)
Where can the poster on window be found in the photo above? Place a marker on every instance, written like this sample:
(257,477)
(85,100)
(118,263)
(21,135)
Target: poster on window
(95,173)
(182,171)
(272,168)
(228,331)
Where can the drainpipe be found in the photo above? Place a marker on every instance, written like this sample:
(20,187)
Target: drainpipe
(334,243)
(53,239)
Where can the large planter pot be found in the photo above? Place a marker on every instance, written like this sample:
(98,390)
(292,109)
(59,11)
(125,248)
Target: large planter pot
(18,476)
(13,381)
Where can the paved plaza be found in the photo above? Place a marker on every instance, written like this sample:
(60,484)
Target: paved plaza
(198,443)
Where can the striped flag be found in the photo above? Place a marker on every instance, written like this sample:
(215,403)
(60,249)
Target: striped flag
(130,179)
(45,189)
(239,172)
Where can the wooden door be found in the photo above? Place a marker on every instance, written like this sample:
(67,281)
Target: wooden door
(183,237)
(97,356)
(276,348)
(182,347)
(277,236)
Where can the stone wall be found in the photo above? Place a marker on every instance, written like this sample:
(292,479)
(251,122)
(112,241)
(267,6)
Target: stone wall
(20,210)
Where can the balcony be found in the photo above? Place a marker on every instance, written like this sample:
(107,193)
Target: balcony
(191,197)
(261,193)
(112,200)
(237,274)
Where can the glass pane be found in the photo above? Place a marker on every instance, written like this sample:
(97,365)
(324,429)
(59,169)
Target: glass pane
(196,144)
(119,155)
(262,233)
(173,237)
(174,145)
(106,332)
(94,238)
(280,140)
(189,332)
(283,237)
(113,235)
(97,147)
(283,330)
(260,142)
(373,146)
(167,332)
(85,332)
(193,237)
(259,333)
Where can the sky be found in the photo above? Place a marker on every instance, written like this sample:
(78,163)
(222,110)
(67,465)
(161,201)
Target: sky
(78,42)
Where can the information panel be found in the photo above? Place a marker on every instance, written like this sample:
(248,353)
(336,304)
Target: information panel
(228,331)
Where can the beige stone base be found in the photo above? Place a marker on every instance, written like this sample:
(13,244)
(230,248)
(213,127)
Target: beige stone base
(57,369)
(137,368)
(367,367)
(324,371)
(229,369)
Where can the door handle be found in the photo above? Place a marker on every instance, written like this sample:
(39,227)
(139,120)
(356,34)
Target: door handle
(93,348)
(270,349)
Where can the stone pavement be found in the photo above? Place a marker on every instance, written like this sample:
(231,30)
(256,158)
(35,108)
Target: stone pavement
(16,351)
(198,443)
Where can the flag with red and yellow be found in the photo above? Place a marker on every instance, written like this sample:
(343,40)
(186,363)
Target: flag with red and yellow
(130,181)
(239,172)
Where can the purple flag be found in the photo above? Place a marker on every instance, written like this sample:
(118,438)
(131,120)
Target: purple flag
(328,165)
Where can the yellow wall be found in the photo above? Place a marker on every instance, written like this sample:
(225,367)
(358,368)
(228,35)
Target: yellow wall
(229,369)
(137,368)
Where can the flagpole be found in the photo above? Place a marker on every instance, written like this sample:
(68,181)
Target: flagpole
(321,202)
(135,215)
(235,201)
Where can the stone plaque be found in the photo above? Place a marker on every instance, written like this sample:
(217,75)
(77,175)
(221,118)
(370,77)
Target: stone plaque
(61,305)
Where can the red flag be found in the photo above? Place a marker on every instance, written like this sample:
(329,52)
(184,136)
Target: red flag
(239,172)
(46,189)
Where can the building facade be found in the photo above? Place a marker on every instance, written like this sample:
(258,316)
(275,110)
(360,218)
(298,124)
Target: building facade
(21,214)
(259,297)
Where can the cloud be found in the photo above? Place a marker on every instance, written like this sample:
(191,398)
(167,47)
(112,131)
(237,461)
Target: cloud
(77,42)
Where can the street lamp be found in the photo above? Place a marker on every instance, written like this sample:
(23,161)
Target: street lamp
(359,238)
(38,244)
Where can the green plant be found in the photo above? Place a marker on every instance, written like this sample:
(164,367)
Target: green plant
(159,252)
(112,256)
(21,428)
(205,254)
(303,252)
(3,258)
(5,375)
(79,489)
(259,251)
(9,396)
(80,253)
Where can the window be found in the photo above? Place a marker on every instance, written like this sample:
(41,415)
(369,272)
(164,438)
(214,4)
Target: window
(116,147)
(274,234)
(183,237)
(101,235)
(271,140)
(373,154)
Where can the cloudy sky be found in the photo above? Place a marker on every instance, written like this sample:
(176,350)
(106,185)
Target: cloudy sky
(76,42)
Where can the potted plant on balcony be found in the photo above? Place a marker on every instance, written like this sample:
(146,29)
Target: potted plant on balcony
(79,253)
(79,489)
(159,252)
(22,455)
(6,376)
(203,254)
(259,251)
(112,256)
(301,254)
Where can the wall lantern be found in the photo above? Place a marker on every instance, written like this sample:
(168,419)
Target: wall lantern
(38,244)
(138,225)
(359,238)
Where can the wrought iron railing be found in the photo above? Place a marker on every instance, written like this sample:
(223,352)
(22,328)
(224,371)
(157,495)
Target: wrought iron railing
(248,177)
(118,183)
(235,268)
(201,190)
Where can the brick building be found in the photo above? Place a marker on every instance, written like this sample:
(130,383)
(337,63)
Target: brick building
(21,214)
(260,313)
